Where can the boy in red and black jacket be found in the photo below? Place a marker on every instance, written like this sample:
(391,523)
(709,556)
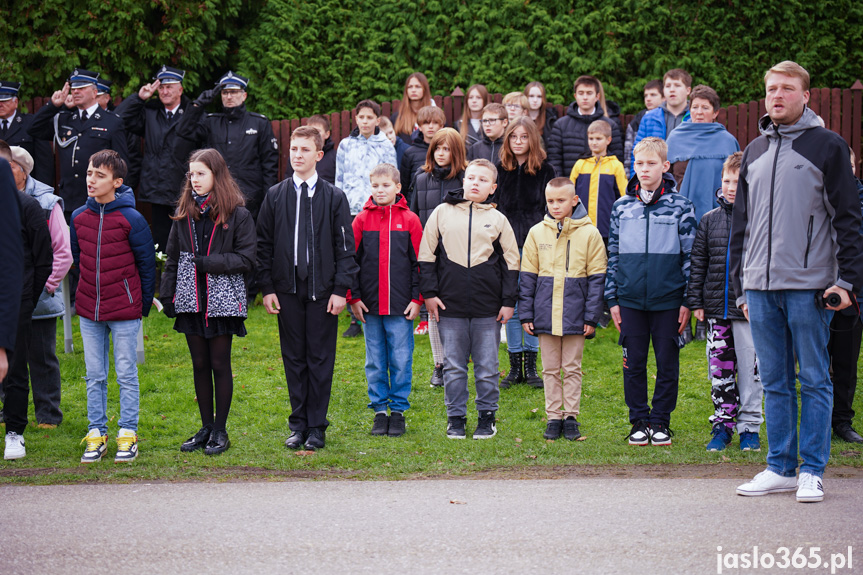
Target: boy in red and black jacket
(385,296)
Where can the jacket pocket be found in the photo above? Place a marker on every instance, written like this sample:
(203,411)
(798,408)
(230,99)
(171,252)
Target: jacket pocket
(128,291)
(808,241)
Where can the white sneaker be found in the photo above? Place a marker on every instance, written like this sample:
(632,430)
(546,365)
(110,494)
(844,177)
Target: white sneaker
(767,482)
(810,488)
(14,446)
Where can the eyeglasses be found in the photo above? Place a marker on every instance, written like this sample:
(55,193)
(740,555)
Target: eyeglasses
(517,138)
(489,122)
(513,106)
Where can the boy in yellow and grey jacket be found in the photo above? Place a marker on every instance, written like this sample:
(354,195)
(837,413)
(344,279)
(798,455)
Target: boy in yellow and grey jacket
(599,180)
(560,299)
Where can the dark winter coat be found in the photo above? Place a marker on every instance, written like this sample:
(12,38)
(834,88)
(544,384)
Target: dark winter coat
(229,248)
(38,254)
(429,190)
(388,241)
(40,150)
(326,168)
(12,262)
(333,268)
(473,136)
(486,148)
(412,161)
(550,119)
(245,139)
(102,131)
(521,197)
(568,141)
(710,286)
(113,247)
(166,156)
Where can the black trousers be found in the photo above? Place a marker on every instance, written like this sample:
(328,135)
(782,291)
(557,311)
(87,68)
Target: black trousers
(844,349)
(45,371)
(638,328)
(307,336)
(17,383)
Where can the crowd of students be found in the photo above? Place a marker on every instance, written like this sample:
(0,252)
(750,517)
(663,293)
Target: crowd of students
(511,217)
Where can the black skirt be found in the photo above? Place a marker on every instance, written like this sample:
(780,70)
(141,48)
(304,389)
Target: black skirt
(196,324)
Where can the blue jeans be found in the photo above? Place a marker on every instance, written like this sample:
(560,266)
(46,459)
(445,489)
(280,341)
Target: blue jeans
(97,336)
(518,340)
(462,339)
(389,361)
(786,324)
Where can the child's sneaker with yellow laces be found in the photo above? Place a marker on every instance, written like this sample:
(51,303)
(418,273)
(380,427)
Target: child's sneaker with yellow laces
(97,444)
(127,446)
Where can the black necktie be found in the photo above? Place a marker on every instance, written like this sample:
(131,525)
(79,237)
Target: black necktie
(84,117)
(304,232)
(5,125)
(170,116)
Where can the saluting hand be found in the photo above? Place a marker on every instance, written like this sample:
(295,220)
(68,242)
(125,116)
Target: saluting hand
(148,90)
(58,98)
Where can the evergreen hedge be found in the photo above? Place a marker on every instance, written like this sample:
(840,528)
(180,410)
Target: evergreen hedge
(308,56)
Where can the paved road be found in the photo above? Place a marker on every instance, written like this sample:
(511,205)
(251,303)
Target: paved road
(592,525)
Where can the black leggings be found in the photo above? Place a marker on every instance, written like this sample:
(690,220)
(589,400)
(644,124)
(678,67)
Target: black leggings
(211,363)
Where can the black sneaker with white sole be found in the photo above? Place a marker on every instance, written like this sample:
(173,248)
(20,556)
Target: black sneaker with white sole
(639,434)
(455,427)
(485,427)
(660,434)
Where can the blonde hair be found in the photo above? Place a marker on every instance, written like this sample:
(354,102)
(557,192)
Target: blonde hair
(792,69)
(561,184)
(429,113)
(733,162)
(600,127)
(387,171)
(483,163)
(652,146)
(517,98)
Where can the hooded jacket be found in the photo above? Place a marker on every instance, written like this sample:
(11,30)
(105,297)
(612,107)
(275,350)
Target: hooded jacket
(412,160)
(599,183)
(520,196)
(654,125)
(38,256)
(429,190)
(12,262)
(469,258)
(648,248)
(486,148)
(355,159)
(388,241)
(796,219)
(113,247)
(50,305)
(705,147)
(568,140)
(710,286)
(562,275)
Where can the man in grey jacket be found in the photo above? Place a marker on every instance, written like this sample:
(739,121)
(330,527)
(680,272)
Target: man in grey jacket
(797,253)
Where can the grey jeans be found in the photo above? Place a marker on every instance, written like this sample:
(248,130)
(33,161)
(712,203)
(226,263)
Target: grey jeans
(462,339)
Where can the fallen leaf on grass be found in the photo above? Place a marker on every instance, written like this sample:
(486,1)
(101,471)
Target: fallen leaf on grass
(147,338)
(245,349)
(582,438)
(534,410)
(304,453)
(531,456)
(457,502)
(164,417)
(850,453)
(549,440)
(164,335)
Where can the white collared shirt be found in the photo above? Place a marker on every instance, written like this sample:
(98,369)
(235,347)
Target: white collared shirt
(172,110)
(90,111)
(312,182)
(10,118)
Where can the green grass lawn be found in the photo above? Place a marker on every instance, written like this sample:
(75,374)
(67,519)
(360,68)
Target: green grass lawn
(259,414)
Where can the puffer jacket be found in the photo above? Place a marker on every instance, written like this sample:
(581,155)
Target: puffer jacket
(562,275)
(649,247)
(485,148)
(653,125)
(568,141)
(520,196)
(429,190)
(599,183)
(113,247)
(38,256)
(796,219)
(412,160)
(355,159)
(710,286)
(226,249)
(469,258)
(388,241)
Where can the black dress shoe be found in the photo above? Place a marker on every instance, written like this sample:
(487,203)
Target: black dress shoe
(846,433)
(218,443)
(197,441)
(315,439)
(296,440)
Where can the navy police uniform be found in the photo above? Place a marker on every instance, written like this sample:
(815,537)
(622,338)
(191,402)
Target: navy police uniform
(15,134)
(77,139)
(245,139)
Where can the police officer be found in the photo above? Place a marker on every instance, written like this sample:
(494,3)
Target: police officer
(13,130)
(133,142)
(78,134)
(245,139)
(165,155)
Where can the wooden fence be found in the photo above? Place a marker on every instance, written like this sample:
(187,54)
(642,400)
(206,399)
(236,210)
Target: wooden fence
(841,109)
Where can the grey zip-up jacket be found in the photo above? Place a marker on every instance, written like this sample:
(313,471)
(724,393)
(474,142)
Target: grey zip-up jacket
(796,220)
